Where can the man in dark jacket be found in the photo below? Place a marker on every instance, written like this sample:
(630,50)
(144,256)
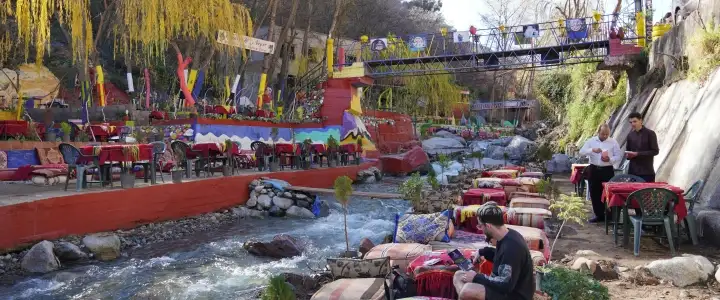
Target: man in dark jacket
(641,147)
(512,274)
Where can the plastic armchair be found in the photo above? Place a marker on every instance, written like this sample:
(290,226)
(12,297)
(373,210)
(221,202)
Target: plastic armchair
(657,205)
(159,149)
(71,156)
(691,197)
(181,149)
(616,213)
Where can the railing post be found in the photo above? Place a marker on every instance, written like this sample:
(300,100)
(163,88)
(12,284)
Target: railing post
(329,55)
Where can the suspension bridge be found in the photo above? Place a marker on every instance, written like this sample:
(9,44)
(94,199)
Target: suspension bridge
(556,43)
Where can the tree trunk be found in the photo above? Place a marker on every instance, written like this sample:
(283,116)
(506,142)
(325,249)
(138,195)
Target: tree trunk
(347,239)
(307,28)
(283,39)
(285,67)
(271,31)
(336,15)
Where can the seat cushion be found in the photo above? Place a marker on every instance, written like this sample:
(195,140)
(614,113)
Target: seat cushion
(536,239)
(359,268)
(422,228)
(530,217)
(49,156)
(399,254)
(352,289)
(529,202)
(529,183)
(526,194)
(3,160)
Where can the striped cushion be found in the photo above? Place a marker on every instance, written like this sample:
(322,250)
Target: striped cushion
(529,202)
(538,175)
(400,254)
(526,194)
(530,217)
(536,239)
(538,258)
(352,289)
(509,190)
(529,183)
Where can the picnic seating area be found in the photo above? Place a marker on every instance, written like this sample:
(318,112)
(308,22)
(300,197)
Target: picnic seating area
(419,251)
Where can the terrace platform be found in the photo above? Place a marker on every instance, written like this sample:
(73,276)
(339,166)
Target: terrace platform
(32,213)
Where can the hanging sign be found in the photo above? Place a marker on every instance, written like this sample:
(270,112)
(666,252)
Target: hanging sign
(378,45)
(245,42)
(417,43)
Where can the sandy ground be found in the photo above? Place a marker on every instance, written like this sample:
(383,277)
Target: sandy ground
(592,237)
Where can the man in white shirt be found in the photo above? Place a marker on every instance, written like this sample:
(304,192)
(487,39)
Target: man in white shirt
(604,152)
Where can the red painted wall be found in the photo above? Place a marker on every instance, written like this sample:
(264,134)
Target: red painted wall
(119,209)
(338,94)
(392,138)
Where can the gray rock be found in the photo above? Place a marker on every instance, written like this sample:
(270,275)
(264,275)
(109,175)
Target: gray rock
(300,212)
(276,212)
(288,195)
(265,201)
(520,148)
(259,188)
(283,203)
(105,246)
(40,259)
(68,252)
(302,203)
(717,274)
(263,191)
(683,270)
(282,246)
(560,163)
(255,182)
(271,194)
(365,246)
(244,212)
(301,196)
(252,202)
(324,209)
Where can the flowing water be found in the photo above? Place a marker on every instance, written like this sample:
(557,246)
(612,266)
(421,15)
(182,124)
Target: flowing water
(213,265)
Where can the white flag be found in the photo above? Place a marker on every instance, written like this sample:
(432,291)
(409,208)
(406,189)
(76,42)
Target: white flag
(461,36)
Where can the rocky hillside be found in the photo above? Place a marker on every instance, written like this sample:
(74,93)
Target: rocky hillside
(684,114)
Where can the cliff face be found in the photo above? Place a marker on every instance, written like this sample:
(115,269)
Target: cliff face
(685,116)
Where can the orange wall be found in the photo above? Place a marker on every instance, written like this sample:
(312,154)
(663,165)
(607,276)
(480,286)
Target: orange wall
(104,211)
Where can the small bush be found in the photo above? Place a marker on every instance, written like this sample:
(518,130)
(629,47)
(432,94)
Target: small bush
(704,56)
(278,289)
(565,284)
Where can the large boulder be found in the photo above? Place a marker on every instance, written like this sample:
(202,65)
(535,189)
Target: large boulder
(299,212)
(40,259)
(683,270)
(244,212)
(324,209)
(365,245)
(435,143)
(414,160)
(68,252)
(520,148)
(276,212)
(450,135)
(105,246)
(282,202)
(281,246)
(560,163)
(265,201)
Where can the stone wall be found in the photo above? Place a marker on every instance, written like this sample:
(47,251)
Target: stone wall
(683,113)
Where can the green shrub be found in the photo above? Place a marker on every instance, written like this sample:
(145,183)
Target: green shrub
(565,284)
(278,289)
(704,56)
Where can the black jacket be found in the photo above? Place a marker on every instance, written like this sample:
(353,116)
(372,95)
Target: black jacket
(512,275)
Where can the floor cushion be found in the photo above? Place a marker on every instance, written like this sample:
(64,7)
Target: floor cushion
(3,160)
(536,239)
(529,183)
(530,217)
(487,183)
(49,156)
(526,194)
(529,202)
(538,258)
(399,254)
(48,176)
(359,268)
(480,196)
(462,240)
(352,289)
(422,228)
(466,217)
(538,175)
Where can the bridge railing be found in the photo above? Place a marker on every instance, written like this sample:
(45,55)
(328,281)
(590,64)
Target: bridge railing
(554,34)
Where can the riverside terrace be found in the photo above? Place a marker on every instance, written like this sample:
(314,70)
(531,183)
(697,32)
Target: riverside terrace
(29,213)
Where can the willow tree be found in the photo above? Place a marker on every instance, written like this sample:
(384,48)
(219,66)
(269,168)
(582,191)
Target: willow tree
(150,27)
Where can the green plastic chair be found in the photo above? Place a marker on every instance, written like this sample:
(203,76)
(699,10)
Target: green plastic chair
(691,197)
(616,213)
(657,206)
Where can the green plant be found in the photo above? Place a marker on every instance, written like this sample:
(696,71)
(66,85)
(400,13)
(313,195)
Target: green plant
(65,128)
(544,187)
(565,284)
(432,179)
(412,188)
(343,190)
(274,132)
(704,53)
(307,141)
(567,208)
(228,145)
(278,289)
(506,157)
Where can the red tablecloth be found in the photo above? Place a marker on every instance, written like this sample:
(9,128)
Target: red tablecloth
(480,196)
(436,280)
(13,128)
(115,153)
(507,174)
(576,174)
(223,110)
(103,130)
(617,193)
(212,149)
(318,148)
(349,148)
(285,148)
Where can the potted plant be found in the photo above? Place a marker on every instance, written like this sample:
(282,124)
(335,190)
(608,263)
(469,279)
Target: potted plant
(177,174)
(274,160)
(307,161)
(127,178)
(66,130)
(359,150)
(444,162)
(343,190)
(332,151)
(412,189)
(227,168)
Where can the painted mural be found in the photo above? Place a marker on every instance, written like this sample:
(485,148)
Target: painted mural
(170,132)
(318,135)
(353,128)
(245,135)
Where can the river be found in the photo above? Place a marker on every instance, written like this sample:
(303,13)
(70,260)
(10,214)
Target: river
(213,265)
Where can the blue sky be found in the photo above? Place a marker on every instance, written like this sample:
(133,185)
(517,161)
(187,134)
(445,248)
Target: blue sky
(463,13)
